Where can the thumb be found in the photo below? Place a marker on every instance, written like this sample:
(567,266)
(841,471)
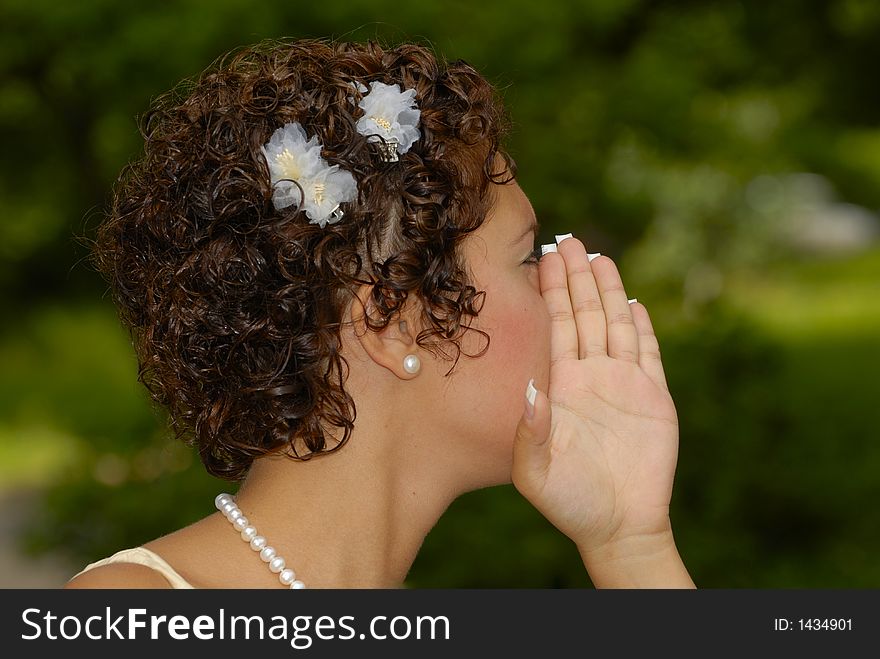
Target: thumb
(531,446)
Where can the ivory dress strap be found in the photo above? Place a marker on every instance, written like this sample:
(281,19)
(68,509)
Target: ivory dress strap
(143,556)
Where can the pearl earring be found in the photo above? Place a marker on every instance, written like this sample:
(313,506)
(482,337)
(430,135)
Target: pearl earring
(411,364)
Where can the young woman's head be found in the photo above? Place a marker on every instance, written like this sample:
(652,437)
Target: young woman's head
(264,333)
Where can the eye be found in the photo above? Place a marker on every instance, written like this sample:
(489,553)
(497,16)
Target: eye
(534,256)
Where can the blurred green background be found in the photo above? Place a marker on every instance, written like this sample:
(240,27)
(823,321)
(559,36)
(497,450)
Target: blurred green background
(726,155)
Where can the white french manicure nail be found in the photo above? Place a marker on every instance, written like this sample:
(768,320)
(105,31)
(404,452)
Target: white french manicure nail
(531,392)
(590,257)
(559,239)
(548,248)
(635,299)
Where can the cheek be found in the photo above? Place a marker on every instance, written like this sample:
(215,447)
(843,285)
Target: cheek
(516,318)
(519,325)
(490,395)
(523,336)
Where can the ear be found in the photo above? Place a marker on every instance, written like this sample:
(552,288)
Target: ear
(392,344)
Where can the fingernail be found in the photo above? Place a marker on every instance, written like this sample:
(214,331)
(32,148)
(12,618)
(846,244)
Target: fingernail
(548,248)
(531,392)
(559,239)
(590,257)
(635,299)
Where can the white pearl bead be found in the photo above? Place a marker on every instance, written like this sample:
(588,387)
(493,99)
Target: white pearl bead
(221,499)
(298,585)
(249,534)
(276,564)
(234,515)
(240,523)
(267,553)
(287,576)
(411,363)
(258,542)
(227,508)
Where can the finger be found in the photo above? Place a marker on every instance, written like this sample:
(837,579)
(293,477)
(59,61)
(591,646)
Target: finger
(623,341)
(554,289)
(585,301)
(531,446)
(649,347)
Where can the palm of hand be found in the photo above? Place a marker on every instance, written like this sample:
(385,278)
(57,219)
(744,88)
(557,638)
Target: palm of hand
(613,437)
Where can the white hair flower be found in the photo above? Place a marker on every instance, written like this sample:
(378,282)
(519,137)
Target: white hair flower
(292,157)
(391,114)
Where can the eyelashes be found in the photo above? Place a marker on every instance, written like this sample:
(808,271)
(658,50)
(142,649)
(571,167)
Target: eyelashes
(534,256)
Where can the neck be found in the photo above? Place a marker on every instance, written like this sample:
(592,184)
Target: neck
(353,518)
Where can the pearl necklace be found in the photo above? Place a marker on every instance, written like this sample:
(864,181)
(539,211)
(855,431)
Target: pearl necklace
(226,505)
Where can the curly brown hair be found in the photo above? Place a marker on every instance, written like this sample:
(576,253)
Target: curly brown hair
(234,308)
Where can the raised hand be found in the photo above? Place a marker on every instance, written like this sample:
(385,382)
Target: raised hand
(598,457)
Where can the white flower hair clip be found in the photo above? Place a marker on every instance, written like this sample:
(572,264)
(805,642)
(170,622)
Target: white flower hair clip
(293,159)
(390,114)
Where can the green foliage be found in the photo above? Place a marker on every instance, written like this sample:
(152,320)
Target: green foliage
(664,134)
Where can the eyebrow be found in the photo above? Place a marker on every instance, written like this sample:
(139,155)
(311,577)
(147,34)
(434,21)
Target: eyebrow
(534,227)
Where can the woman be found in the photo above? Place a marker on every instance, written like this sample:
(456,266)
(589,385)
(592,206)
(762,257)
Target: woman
(313,228)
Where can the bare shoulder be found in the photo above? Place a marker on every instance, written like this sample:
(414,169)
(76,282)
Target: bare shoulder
(119,575)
